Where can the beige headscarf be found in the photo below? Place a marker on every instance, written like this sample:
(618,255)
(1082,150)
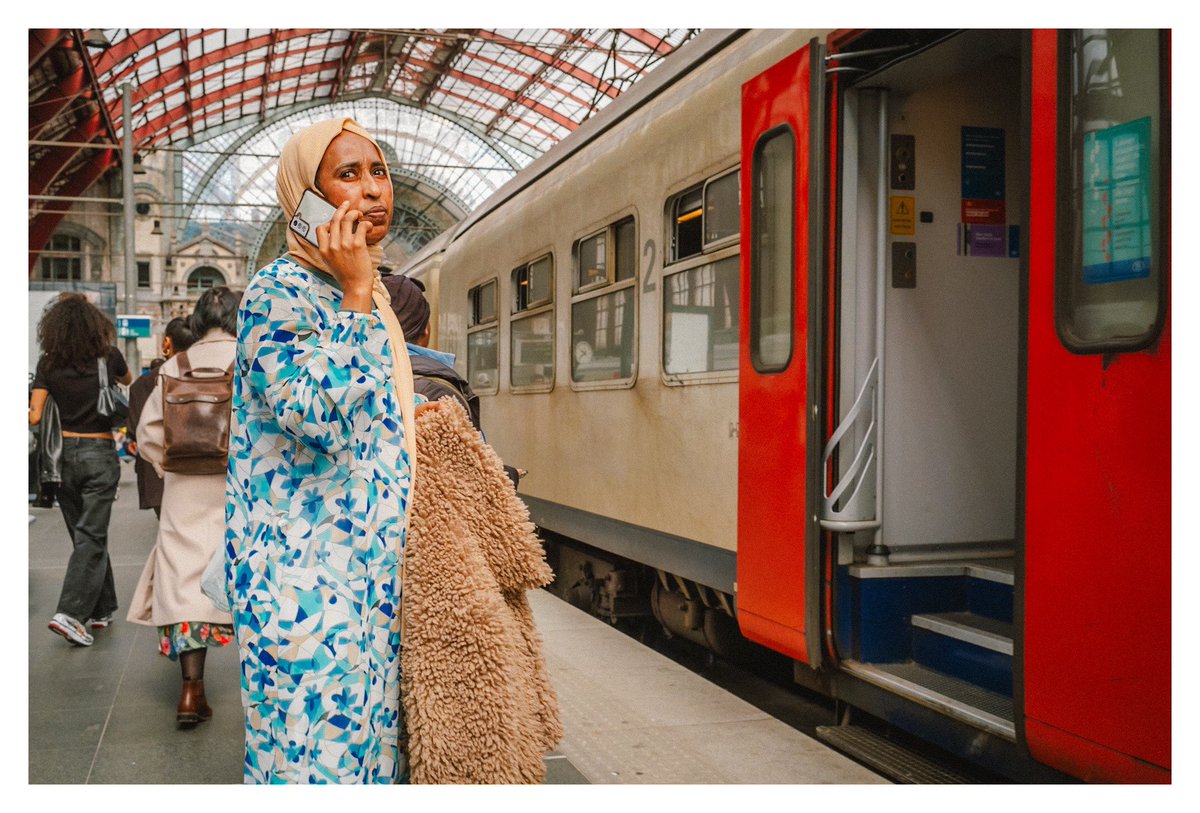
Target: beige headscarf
(298,163)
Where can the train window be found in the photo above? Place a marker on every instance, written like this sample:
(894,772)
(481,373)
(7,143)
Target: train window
(602,315)
(687,219)
(700,318)
(624,250)
(483,303)
(533,284)
(482,363)
(607,256)
(602,337)
(531,356)
(591,256)
(1109,292)
(772,224)
(531,332)
(705,215)
(483,339)
(722,211)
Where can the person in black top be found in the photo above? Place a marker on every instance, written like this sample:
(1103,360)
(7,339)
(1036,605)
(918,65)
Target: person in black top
(177,337)
(74,334)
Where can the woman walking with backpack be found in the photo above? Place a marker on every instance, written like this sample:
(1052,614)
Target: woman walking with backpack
(192,523)
(76,339)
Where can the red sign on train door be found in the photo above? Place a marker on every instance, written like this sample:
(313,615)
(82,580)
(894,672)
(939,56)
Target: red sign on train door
(777,566)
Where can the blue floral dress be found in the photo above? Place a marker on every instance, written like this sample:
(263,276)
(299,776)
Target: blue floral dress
(317,489)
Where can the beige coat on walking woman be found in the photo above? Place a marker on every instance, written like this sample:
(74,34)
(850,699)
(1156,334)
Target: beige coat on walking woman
(192,524)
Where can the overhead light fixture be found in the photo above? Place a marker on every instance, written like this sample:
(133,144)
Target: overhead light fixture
(94,38)
(157,227)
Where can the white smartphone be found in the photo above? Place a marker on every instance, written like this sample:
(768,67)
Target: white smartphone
(312,212)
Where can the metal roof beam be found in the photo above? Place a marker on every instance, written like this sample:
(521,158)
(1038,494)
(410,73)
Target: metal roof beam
(433,73)
(266,77)
(42,41)
(499,90)
(127,48)
(42,226)
(554,60)
(56,159)
(654,42)
(203,106)
(568,68)
(52,103)
(343,73)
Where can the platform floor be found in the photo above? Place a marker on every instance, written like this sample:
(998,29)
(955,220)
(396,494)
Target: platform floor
(105,714)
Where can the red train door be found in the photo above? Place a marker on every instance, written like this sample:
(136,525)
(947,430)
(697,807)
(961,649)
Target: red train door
(777,563)
(1097,533)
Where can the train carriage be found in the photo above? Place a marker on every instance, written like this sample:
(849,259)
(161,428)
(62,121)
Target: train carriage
(857,344)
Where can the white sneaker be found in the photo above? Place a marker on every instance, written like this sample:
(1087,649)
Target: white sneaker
(101,622)
(72,630)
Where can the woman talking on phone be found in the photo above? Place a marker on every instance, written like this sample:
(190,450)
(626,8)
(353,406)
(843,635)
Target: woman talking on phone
(320,473)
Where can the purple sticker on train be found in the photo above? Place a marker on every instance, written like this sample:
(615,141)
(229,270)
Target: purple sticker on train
(982,240)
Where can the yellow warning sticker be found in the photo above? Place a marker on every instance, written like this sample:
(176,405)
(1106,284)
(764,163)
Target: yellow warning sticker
(903,218)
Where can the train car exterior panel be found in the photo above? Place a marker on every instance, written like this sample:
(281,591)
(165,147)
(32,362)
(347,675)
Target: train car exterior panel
(689,432)
(1098,446)
(773,526)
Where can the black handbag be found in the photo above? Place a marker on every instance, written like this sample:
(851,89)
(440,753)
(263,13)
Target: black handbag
(112,403)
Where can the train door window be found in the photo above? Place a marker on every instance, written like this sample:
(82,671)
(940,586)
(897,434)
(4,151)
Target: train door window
(700,318)
(531,332)
(603,310)
(483,339)
(772,224)
(1109,292)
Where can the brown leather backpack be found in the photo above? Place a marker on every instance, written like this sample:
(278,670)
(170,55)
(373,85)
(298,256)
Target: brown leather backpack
(196,409)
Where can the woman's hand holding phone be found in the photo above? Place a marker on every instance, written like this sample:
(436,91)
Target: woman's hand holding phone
(344,250)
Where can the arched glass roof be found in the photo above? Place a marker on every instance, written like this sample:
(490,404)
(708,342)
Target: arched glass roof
(462,108)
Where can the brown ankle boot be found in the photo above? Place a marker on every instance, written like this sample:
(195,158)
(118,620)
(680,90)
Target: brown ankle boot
(193,707)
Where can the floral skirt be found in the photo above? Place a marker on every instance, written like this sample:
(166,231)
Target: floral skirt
(188,635)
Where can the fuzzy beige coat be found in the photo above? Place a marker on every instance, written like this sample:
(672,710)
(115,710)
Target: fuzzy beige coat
(476,695)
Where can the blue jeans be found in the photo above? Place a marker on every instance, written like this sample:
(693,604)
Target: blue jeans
(90,473)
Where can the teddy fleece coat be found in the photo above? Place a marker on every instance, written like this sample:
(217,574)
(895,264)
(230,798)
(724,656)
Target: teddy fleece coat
(477,699)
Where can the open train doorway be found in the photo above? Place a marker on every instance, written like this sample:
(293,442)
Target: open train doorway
(923,466)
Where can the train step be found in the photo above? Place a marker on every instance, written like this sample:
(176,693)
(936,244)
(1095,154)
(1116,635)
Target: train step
(986,710)
(891,759)
(967,646)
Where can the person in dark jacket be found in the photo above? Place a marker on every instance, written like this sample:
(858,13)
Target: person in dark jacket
(434,375)
(177,337)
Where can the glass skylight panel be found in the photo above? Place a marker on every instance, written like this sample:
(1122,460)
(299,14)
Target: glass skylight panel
(169,59)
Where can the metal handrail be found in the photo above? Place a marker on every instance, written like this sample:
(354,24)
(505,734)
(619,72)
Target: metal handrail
(859,508)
